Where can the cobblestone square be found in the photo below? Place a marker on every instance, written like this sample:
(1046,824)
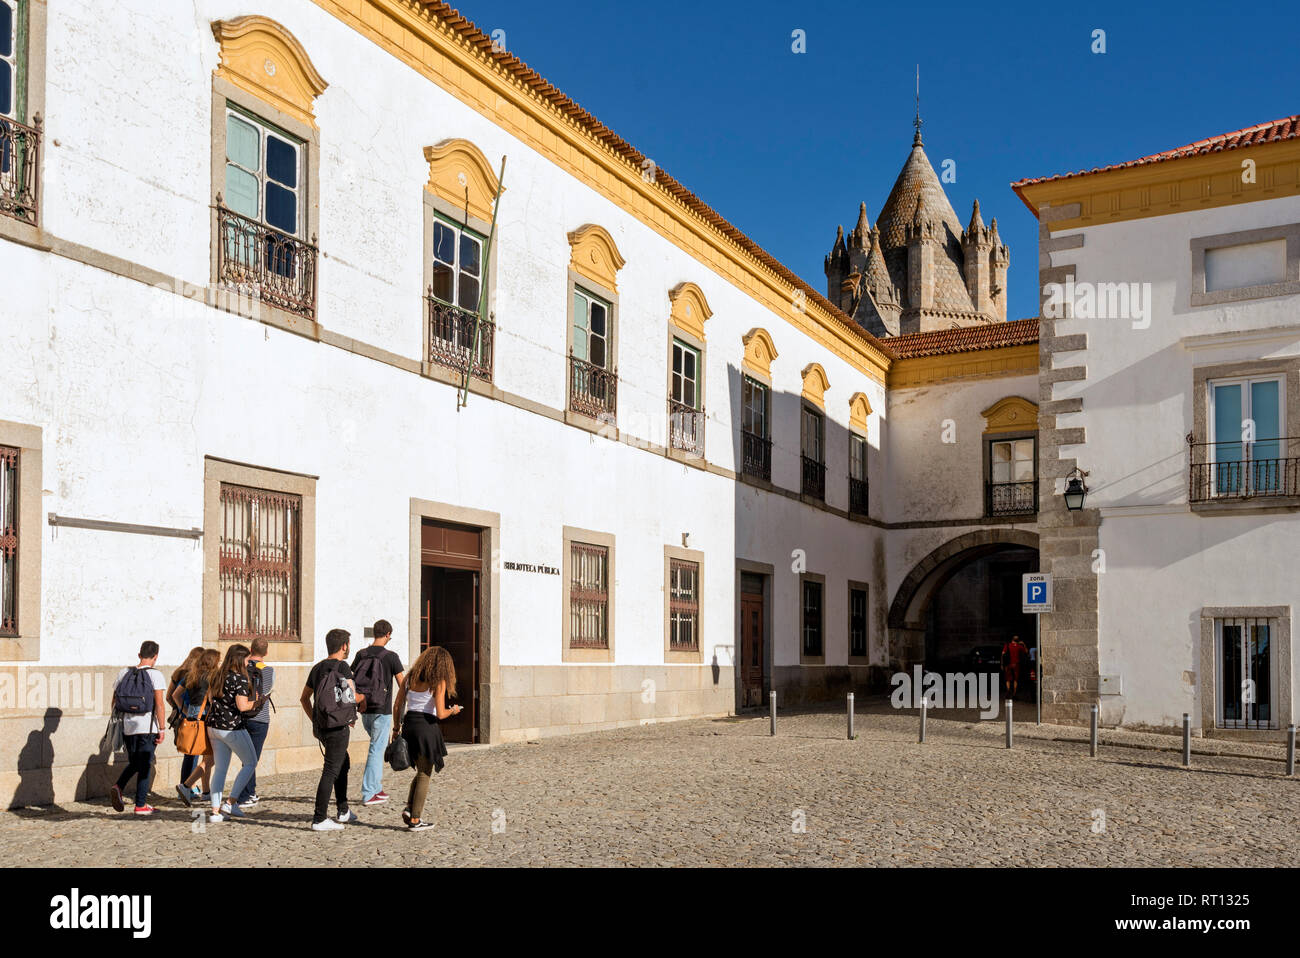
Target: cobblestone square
(723,792)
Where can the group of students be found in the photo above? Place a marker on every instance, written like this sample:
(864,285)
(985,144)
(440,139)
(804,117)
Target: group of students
(223,706)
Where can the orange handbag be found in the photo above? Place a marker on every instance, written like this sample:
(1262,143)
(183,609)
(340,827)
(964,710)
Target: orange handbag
(192,735)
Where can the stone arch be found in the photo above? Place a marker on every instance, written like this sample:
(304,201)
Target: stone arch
(913,589)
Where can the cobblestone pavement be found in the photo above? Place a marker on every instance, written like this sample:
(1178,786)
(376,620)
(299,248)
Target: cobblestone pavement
(722,792)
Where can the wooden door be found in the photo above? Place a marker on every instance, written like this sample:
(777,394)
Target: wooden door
(751,649)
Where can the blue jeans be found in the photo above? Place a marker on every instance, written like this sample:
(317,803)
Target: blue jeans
(224,744)
(379,726)
(257,732)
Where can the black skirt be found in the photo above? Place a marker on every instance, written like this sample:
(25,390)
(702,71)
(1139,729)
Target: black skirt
(423,737)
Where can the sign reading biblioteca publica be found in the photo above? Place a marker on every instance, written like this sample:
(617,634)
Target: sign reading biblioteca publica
(530,567)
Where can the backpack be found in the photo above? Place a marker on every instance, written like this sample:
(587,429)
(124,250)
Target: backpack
(334,702)
(260,698)
(372,680)
(134,693)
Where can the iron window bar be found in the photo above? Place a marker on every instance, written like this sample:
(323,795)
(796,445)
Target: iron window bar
(1011,498)
(451,338)
(589,597)
(685,427)
(259,564)
(1235,470)
(756,455)
(684,606)
(857,496)
(814,478)
(20,165)
(263,263)
(593,390)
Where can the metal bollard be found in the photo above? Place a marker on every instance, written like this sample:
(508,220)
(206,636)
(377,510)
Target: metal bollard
(1187,740)
(1092,750)
(771,698)
(924,710)
(1290,750)
(1009,736)
(851,717)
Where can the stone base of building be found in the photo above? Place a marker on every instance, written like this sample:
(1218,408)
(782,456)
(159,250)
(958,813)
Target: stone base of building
(800,685)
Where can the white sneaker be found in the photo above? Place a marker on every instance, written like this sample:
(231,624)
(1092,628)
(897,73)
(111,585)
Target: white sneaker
(215,818)
(348,817)
(329,825)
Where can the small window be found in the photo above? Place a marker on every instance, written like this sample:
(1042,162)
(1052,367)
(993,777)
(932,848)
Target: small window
(457,264)
(858,622)
(589,596)
(1246,673)
(1245,265)
(1012,461)
(591,328)
(8,541)
(684,605)
(812,617)
(263,173)
(686,375)
(260,564)
(754,407)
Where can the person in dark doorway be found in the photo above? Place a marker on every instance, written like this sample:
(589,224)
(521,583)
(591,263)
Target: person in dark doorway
(374,669)
(421,704)
(1015,654)
(330,700)
(138,694)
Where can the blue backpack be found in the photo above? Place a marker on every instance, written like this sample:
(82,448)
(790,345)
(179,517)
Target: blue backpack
(134,694)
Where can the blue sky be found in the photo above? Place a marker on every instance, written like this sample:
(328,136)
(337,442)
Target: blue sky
(786,145)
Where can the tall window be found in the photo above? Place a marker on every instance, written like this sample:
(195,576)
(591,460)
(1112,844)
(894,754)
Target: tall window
(1245,677)
(260,563)
(857,622)
(684,605)
(589,596)
(1013,488)
(812,617)
(263,173)
(812,441)
(685,417)
(457,265)
(756,444)
(686,375)
(591,328)
(857,474)
(1247,429)
(8,540)
(11,76)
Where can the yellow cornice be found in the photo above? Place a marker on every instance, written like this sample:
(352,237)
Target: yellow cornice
(263,58)
(1199,182)
(460,174)
(1012,414)
(979,364)
(432,48)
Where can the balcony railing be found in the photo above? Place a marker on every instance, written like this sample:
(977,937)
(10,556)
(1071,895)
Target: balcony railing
(814,478)
(265,264)
(593,390)
(685,427)
(20,166)
(1011,498)
(451,339)
(857,496)
(756,455)
(1264,468)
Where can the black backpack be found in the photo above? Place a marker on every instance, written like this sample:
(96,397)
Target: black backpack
(334,702)
(372,680)
(134,693)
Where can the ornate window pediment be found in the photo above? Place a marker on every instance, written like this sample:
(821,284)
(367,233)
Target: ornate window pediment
(759,352)
(815,384)
(594,255)
(690,310)
(263,58)
(1012,414)
(460,174)
(859,410)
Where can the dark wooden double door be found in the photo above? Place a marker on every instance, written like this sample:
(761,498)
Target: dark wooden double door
(751,639)
(451,564)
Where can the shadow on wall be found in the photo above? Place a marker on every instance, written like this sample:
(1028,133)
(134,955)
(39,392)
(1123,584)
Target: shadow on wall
(35,765)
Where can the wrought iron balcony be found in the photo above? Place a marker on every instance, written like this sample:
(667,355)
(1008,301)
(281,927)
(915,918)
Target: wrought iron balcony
(593,390)
(857,496)
(756,455)
(451,339)
(265,264)
(1226,471)
(1011,498)
(20,168)
(685,427)
(814,478)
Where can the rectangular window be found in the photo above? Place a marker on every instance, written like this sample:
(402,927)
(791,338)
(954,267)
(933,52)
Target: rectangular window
(812,435)
(1245,265)
(857,474)
(686,375)
(684,605)
(263,173)
(8,541)
(857,622)
(11,78)
(1013,486)
(457,265)
(589,596)
(812,617)
(591,328)
(1246,679)
(753,401)
(813,460)
(1013,461)
(260,564)
(1247,426)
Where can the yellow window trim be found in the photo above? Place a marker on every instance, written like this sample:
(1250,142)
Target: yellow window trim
(815,385)
(594,255)
(461,175)
(859,410)
(1012,414)
(759,352)
(263,58)
(690,310)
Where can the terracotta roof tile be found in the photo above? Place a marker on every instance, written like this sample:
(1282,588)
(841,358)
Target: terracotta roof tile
(470,34)
(1275,131)
(965,339)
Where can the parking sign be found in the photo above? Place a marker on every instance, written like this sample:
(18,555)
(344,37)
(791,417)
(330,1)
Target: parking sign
(1036,593)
